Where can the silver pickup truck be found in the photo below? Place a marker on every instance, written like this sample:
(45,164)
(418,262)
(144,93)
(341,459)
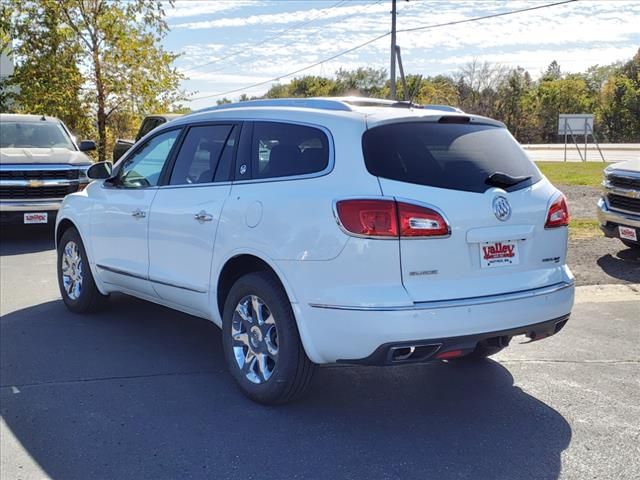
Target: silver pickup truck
(40,163)
(619,207)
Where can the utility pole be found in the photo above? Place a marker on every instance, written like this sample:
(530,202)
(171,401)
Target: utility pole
(392,70)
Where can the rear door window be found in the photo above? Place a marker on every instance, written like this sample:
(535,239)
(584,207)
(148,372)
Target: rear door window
(199,155)
(284,150)
(468,157)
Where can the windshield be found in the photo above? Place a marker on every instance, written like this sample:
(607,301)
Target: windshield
(37,134)
(468,157)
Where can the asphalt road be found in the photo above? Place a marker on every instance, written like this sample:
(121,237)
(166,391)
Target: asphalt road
(141,392)
(612,152)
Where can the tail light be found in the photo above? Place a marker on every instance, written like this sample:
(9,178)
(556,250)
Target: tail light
(558,215)
(390,219)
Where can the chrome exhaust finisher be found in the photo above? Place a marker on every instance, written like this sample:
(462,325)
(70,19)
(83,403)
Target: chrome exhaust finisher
(436,349)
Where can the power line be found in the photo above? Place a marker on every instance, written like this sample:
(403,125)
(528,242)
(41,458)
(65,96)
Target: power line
(286,45)
(273,37)
(528,9)
(364,44)
(296,71)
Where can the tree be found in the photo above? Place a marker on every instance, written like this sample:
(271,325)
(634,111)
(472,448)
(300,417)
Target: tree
(553,72)
(619,109)
(47,79)
(363,81)
(119,47)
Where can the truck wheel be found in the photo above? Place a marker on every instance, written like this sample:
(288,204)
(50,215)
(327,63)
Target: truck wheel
(630,244)
(77,286)
(261,342)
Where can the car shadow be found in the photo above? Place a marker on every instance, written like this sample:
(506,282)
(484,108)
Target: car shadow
(21,239)
(139,391)
(625,265)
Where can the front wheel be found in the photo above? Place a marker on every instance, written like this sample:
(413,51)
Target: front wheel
(77,286)
(631,244)
(261,342)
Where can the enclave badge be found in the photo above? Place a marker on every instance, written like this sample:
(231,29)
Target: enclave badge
(501,208)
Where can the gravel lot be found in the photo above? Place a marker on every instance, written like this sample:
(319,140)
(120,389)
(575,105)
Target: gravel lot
(597,260)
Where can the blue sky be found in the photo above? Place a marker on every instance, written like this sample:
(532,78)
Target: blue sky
(269,38)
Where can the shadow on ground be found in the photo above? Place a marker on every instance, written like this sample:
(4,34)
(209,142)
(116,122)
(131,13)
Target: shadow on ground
(21,239)
(625,265)
(139,391)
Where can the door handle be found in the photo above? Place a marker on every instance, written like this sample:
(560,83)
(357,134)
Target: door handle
(137,213)
(203,216)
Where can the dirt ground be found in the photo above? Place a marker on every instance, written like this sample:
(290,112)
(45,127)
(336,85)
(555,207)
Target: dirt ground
(597,260)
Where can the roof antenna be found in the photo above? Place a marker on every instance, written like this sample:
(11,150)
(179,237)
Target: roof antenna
(43,118)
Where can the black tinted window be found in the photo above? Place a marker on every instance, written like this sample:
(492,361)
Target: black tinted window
(199,154)
(282,150)
(446,155)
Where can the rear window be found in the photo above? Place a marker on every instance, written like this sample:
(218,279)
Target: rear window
(447,155)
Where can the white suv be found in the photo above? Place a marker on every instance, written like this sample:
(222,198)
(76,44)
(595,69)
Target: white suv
(317,231)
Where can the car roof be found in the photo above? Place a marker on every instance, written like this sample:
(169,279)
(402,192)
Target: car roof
(20,117)
(373,111)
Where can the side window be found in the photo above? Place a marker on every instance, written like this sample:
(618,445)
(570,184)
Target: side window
(283,150)
(143,167)
(197,161)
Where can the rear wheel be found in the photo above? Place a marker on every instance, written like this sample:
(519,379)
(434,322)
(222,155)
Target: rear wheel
(77,286)
(261,342)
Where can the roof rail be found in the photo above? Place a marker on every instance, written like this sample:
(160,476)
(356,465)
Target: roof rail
(344,104)
(320,103)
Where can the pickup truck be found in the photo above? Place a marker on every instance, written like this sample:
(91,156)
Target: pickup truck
(149,123)
(40,163)
(619,207)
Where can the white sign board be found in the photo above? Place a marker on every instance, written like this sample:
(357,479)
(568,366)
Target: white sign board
(575,123)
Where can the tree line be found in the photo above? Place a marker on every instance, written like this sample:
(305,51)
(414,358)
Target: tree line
(528,107)
(99,66)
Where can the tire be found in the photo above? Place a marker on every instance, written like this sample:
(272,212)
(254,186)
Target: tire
(487,348)
(631,244)
(263,350)
(78,288)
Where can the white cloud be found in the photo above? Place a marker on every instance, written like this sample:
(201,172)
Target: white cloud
(282,18)
(196,8)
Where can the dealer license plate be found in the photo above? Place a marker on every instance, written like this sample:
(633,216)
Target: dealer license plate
(628,233)
(36,217)
(499,254)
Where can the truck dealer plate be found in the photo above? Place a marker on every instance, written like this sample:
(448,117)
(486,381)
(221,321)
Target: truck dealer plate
(36,217)
(628,233)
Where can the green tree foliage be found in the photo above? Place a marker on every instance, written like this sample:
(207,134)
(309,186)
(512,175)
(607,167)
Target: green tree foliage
(619,108)
(48,79)
(107,57)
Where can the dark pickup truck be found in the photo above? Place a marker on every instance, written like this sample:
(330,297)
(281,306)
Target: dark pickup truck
(148,124)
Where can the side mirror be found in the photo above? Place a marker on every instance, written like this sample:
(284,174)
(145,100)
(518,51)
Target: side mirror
(87,145)
(100,170)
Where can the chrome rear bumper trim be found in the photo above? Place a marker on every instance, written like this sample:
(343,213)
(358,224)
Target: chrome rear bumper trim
(459,302)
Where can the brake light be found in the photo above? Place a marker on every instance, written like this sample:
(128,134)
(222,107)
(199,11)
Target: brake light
(558,215)
(390,219)
(376,218)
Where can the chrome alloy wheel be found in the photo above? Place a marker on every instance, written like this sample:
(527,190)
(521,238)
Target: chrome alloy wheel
(72,270)
(255,339)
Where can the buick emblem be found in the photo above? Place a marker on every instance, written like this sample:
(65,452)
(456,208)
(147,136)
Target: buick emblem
(501,208)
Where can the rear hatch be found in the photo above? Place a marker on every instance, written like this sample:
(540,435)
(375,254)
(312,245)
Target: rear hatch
(493,197)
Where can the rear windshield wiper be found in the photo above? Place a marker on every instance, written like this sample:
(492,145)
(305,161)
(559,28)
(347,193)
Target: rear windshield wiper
(504,180)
